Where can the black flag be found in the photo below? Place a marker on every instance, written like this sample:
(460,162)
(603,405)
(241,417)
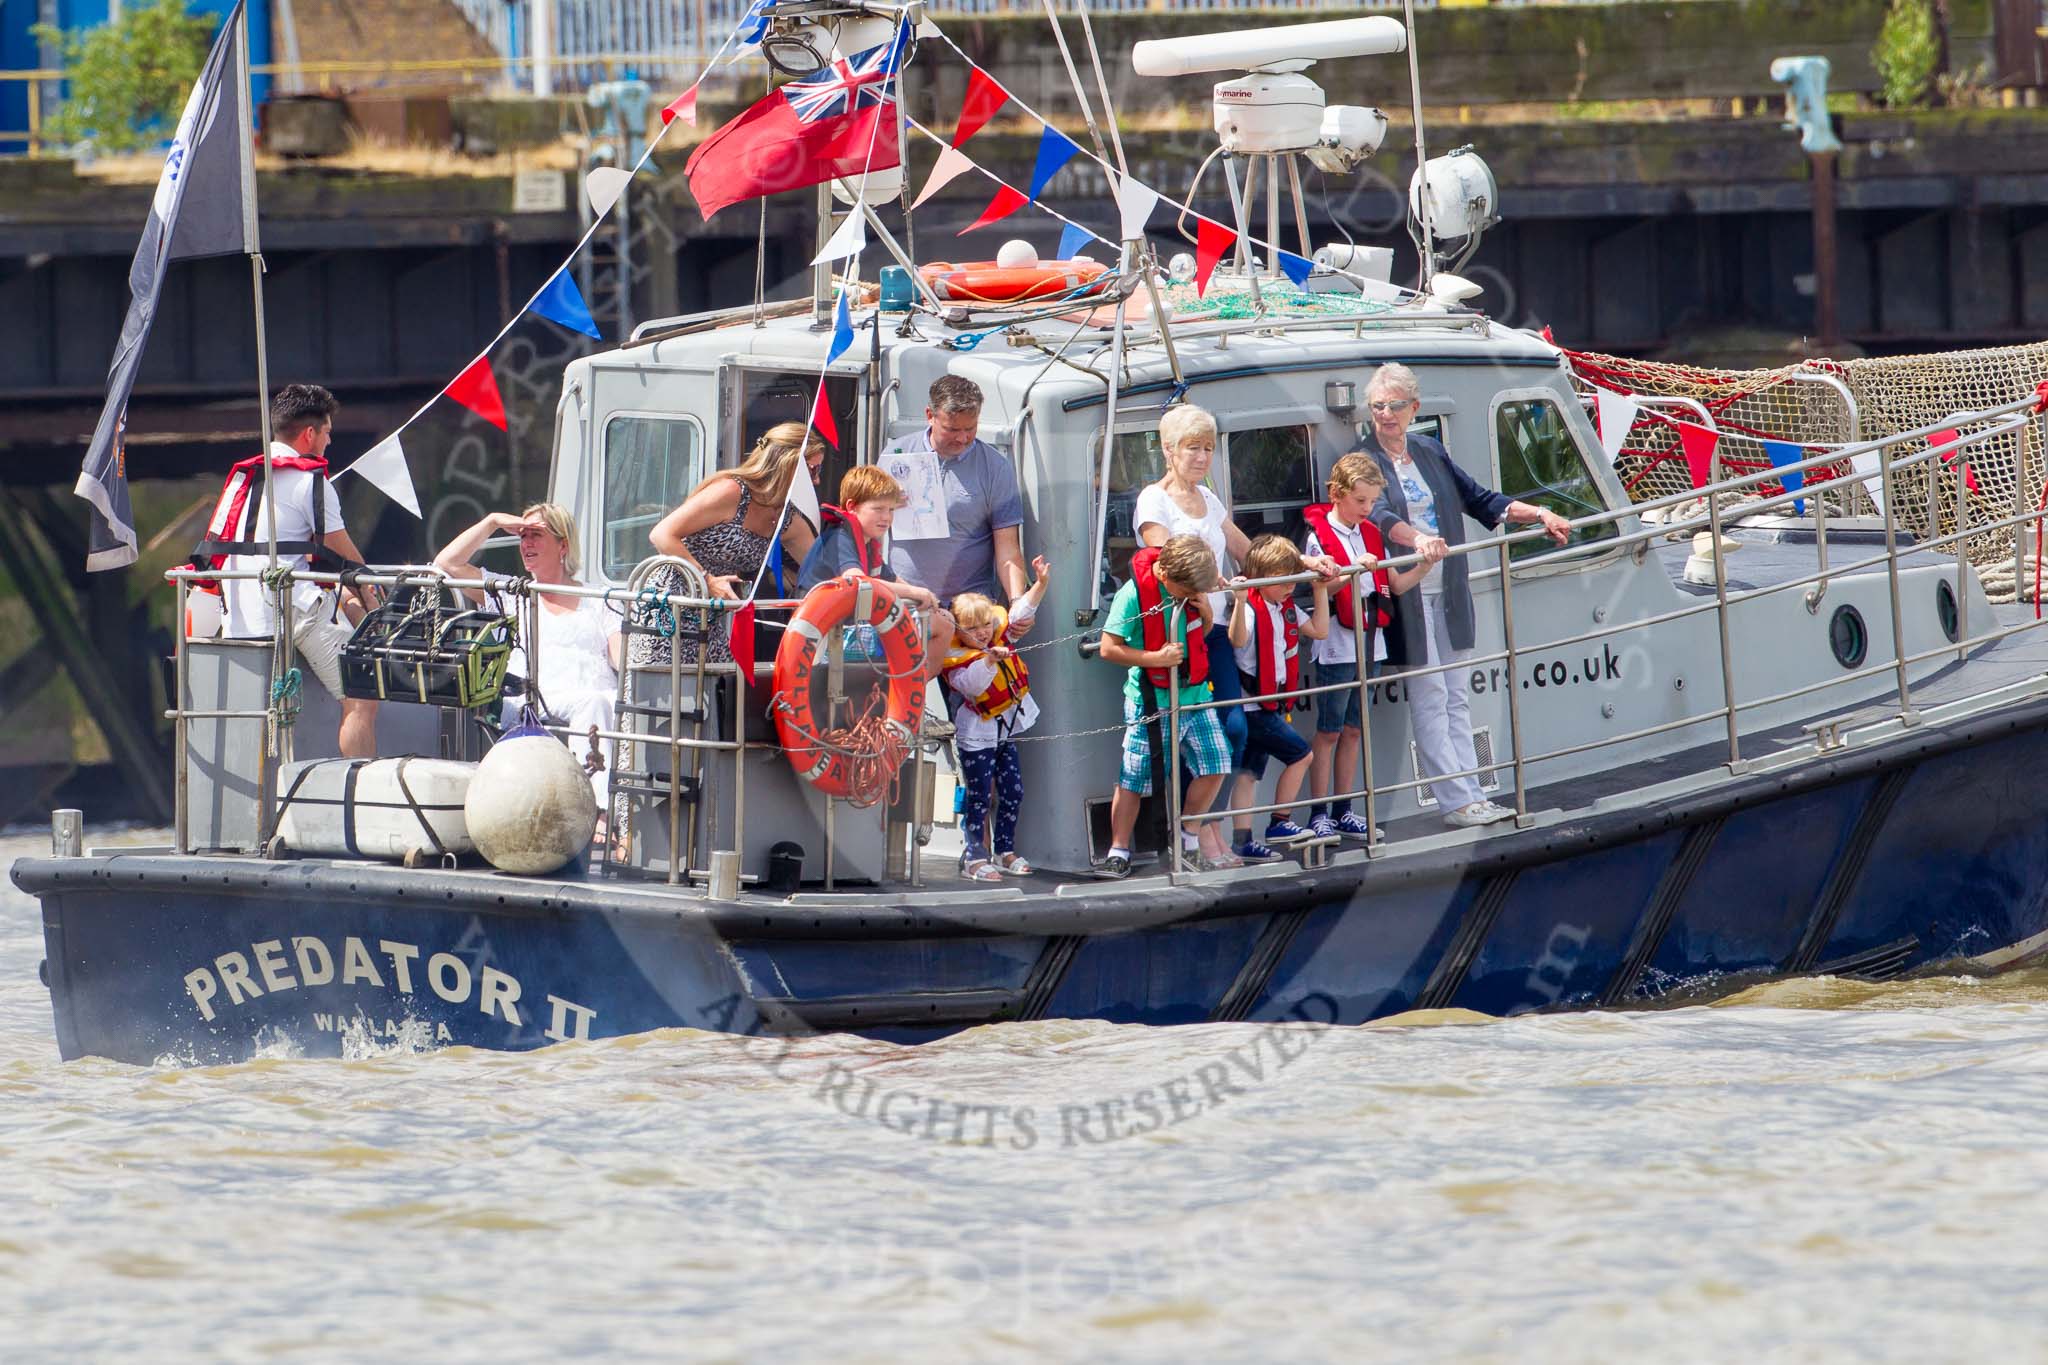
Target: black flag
(205,205)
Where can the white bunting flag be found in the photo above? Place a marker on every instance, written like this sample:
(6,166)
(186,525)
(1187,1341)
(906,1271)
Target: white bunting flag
(384,469)
(1868,469)
(1136,203)
(603,187)
(952,161)
(1617,415)
(803,500)
(847,239)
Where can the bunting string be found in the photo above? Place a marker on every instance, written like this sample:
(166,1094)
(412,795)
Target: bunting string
(549,284)
(1290,267)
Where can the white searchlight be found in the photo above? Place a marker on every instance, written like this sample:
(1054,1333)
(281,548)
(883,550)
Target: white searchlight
(1463,201)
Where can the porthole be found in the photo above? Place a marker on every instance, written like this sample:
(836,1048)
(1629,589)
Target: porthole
(1848,637)
(1945,608)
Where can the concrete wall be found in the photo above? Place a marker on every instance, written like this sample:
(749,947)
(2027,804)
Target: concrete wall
(1496,54)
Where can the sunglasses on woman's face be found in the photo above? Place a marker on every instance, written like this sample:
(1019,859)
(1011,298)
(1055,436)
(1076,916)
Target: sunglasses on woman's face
(1389,404)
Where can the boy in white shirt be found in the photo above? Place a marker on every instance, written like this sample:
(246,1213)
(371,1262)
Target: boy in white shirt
(1342,529)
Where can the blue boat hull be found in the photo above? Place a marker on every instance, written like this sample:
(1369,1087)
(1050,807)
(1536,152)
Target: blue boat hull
(1929,849)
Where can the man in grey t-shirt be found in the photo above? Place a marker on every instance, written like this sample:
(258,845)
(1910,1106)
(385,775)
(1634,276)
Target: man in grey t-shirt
(984,551)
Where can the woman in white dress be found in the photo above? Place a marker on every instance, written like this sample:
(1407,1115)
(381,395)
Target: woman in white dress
(579,646)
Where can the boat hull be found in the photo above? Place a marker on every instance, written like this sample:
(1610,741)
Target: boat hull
(1931,848)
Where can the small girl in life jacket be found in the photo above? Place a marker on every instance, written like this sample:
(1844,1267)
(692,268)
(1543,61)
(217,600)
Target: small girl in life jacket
(1342,529)
(994,688)
(1269,665)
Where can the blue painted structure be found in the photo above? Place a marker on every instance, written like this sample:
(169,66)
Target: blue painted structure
(20,52)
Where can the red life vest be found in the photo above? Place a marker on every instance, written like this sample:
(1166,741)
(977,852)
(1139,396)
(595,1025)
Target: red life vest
(830,514)
(1267,694)
(1195,667)
(1012,679)
(1333,546)
(226,531)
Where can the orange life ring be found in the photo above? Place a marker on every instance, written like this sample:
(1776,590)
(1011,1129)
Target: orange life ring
(987,282)
(833,766)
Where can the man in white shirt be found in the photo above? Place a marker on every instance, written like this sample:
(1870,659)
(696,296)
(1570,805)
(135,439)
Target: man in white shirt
(308,513)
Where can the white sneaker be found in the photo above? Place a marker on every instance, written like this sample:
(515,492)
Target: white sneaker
(1478,813)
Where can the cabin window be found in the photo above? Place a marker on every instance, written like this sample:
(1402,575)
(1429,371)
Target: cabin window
(650,464)
(768,398)
(1540,463)
(1136,459)
(1272,477)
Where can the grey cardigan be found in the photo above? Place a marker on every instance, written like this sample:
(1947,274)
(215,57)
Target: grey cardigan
(1453,489)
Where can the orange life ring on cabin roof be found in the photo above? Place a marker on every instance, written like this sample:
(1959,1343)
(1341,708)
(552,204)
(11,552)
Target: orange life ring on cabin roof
(987,282)
(831,765)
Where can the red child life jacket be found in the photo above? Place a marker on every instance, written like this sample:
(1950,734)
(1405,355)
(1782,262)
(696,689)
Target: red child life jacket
(1144,573)
(1333,546)
(829,514)
(1268,695)
(226,531)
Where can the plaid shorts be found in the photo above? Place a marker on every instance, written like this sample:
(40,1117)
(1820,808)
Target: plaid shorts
(1204,752)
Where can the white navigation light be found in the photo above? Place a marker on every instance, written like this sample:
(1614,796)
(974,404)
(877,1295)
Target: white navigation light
(1462,195)
(1290,47)
(1350,133)
(882,186)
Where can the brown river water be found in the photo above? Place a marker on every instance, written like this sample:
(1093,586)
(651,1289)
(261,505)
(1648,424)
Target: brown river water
(1818,1170)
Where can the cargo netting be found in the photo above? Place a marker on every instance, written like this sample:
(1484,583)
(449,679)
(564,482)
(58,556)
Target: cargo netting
(1891,394)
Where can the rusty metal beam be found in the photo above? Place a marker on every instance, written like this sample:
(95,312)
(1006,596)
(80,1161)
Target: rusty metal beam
(26,556)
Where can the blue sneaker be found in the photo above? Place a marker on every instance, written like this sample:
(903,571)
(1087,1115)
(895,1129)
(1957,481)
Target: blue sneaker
(1322,827)
(1252,851)
(1351,827)
(1285,832)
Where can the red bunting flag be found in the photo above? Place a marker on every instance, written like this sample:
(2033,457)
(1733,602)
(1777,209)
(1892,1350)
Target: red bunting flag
(984,98)
(822,420)
(1212,239)
(684,107)
(741,640)
(1699,443)
(1939,441)
(1006,202)
(476,388)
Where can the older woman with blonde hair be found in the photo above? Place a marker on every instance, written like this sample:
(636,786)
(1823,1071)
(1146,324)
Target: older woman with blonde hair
(1181,503)
(728,522)
(572,669)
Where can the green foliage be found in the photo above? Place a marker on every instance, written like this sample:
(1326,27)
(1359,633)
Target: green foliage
(129,79)
(1908,51)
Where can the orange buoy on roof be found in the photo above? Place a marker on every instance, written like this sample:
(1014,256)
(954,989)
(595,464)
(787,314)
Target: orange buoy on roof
(859,761)
(990,282)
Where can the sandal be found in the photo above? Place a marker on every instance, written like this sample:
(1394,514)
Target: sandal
(981,870)
(1013,865)
(1223,862)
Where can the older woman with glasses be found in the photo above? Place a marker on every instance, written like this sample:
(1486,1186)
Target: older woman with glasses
(1423,509)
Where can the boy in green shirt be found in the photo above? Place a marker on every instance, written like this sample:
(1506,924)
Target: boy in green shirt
(1166,583)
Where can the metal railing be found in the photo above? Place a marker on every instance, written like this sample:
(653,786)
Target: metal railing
(1994,423)
(1977,428)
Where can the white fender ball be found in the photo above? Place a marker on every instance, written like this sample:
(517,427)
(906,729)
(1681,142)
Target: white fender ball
(530,808)
(1016,254)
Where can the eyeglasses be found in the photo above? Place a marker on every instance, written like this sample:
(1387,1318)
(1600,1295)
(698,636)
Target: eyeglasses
(1389,404)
